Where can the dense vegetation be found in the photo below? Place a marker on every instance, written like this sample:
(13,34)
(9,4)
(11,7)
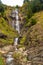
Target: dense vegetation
(31,11)
(31,35)
(7,33)
(30,7)
(32,30)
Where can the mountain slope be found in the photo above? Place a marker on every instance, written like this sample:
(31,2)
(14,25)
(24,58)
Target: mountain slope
(33,30)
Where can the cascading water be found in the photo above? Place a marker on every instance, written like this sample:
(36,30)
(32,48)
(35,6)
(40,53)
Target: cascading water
(9,59)
(13,24)
(17,28)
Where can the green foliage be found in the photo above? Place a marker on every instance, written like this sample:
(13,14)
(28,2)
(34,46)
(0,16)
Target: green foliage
(33,21)
(27,10)
(35,5)
(22,40)
(21,46)
(17,6)
(26,1)
(2,8)
(7,31)
(33,30)
(17,55)
(2,62)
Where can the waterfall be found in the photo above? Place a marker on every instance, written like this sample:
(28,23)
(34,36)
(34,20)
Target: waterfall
(17,22)
(10,59)
(13,24)
(17,28)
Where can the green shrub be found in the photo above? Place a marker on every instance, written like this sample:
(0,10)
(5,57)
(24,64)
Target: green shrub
(33,21)
(7,31)
(2,62)
(17,55)
(23,39)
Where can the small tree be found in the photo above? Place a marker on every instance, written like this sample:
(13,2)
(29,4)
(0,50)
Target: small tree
(17,6)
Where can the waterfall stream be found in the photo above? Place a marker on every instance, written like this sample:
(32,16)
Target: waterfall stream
(13,24)
(9,60)
(17,28)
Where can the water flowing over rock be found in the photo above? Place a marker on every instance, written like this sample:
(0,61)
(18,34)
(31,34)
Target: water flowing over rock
(17,27)
(10,59)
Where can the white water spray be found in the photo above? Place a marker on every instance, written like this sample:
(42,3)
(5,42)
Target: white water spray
(17,28)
